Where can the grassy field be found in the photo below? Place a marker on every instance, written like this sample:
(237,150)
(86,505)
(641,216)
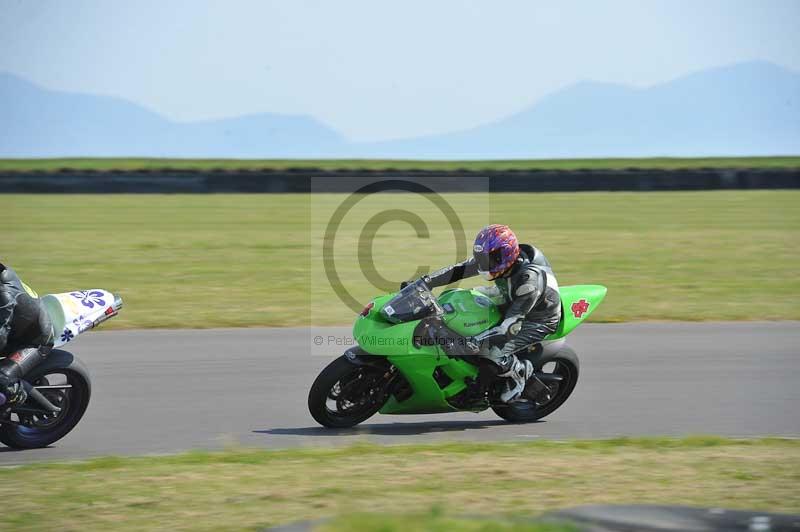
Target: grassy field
(249,489)
(664,163)
(250,260)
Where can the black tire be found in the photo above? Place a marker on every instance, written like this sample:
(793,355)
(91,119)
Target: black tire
(76,400)
(365,384)
(566,365)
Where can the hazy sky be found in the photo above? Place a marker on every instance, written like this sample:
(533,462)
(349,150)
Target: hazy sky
(377,69)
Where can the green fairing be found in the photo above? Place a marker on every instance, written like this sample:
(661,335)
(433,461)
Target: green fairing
(428,398)
(591,294)
(468,317)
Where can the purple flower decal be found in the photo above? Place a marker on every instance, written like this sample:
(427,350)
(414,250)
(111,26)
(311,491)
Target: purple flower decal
(89,298)
(82,323)
(67,335)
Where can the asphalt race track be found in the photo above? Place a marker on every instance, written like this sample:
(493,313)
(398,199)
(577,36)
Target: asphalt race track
(167,391)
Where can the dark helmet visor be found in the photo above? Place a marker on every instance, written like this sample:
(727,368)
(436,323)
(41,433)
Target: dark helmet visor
(488,261)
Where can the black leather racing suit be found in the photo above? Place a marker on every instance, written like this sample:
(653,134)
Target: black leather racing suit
(26,332)
(529,291)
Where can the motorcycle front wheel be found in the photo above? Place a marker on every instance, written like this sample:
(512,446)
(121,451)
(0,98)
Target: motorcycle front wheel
(344,394)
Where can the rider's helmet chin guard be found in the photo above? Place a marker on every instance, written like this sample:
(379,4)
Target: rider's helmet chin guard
(495,250)
(489,276)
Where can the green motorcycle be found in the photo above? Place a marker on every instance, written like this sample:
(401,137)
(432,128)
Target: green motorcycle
(416,355)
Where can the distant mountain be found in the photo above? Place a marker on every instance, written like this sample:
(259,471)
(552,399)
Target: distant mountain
(744,109)
(35,122)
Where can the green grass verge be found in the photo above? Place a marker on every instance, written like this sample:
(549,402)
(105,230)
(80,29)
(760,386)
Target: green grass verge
(664,163)
(248,489)
(255,260)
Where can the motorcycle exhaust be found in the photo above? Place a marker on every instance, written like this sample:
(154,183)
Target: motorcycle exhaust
(16,366)
(20,363)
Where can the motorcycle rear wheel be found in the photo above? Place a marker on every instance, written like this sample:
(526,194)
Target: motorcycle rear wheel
(40,430)
(546,402)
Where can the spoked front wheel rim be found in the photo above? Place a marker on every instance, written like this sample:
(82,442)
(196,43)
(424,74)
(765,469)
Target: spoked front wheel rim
(355,394)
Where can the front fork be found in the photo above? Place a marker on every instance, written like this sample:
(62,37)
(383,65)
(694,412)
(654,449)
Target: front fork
(393,378)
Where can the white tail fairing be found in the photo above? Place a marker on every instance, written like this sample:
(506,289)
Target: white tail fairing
(75,312)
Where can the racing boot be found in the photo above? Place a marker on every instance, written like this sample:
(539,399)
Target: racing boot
(516,371)
(518,374)
(13,394)
(11,391)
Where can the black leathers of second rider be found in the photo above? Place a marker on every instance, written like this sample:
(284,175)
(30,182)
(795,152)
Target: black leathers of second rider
(26,332)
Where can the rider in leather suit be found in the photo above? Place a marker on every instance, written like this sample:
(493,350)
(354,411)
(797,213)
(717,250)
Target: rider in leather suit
(527,291)
(26,335)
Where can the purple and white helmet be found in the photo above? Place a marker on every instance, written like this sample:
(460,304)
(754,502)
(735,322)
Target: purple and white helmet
(495,250)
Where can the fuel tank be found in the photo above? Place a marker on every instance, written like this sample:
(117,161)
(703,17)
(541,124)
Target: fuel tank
(468,312)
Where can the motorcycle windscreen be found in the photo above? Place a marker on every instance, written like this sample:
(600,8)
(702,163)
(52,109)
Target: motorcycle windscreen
(75,312)
(412,303)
